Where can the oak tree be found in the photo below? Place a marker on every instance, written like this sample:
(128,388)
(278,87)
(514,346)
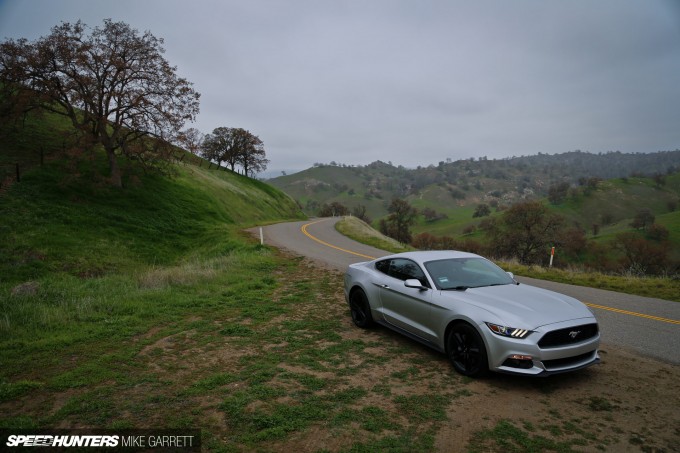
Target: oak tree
(398,223)
(219,146)
(526,231)
(334,209)
(235,146)
(250,152)
(112,82)
(359,212)
(640,255)
(643,219)
(482,210)
(192,140)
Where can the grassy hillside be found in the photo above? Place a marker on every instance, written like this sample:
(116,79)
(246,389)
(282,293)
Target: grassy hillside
(326,184)
(620,199)
(64,217)
(360,231)
(75,250)
(54,223)
(90,276)
(89,229)
(451,185)
(612,205)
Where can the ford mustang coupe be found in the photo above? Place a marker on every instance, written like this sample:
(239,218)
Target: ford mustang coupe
(480,316)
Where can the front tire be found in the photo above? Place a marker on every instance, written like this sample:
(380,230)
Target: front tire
(466,350)
(360,309)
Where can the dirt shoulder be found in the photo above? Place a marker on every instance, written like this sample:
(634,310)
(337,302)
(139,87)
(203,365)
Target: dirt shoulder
(627,403)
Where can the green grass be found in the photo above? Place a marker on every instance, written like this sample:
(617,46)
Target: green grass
(667,288)
(86,270)
(360,231)
(143,341)
(12,390)
(88,229)
(116,303)
(453,225)
(23,143)
(507,437)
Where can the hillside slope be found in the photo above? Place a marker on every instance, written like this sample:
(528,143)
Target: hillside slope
(86,228)
(611,204)
(464,183)
(63,216)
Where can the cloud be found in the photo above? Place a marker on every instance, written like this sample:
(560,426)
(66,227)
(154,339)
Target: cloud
(412,82)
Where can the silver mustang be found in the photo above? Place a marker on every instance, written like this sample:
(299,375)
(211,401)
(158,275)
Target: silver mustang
(469,308)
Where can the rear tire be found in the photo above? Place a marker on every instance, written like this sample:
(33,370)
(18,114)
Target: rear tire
(360,309)
(466,350)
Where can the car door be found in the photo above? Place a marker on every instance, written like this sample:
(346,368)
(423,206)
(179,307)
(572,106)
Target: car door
(403,307)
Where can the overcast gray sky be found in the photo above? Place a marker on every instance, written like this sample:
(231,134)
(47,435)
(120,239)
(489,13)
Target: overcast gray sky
(412,82)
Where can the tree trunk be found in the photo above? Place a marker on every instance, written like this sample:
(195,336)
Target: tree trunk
(116,179)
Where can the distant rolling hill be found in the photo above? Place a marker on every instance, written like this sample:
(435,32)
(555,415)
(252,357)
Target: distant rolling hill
(606,190)
(464,183)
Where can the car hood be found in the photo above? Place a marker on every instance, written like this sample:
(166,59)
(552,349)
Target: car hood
(522,306)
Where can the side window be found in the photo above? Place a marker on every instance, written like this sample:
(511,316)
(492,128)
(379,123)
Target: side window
(404,269)
(383,266)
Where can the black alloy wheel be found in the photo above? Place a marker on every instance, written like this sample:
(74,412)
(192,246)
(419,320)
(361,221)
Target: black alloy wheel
(466,351)
(360,309)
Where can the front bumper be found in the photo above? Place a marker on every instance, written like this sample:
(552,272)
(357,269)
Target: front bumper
(544,361)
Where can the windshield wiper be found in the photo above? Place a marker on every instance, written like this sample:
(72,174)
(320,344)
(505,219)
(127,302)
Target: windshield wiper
(457,288)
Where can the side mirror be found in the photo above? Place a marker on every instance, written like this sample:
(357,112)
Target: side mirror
(512,276)
(414,283)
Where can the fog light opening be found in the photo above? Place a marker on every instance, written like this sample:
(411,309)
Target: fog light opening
(519,361)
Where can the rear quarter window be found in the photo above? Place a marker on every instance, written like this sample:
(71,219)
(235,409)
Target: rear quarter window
(383,266)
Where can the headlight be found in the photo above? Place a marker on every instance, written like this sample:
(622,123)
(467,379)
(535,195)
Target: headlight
(505,331)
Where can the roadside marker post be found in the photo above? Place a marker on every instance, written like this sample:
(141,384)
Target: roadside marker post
(552,255)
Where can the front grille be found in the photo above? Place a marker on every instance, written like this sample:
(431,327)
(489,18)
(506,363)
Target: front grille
(565,362)
(568,336)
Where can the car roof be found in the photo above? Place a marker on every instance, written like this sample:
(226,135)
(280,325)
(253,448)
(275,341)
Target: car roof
(430,255)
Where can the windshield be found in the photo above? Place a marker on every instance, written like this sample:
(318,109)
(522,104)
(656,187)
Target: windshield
(463,273)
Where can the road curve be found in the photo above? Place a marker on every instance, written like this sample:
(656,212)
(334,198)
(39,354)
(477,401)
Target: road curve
(647,325)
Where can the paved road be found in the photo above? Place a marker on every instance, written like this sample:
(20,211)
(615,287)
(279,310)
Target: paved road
(647,325)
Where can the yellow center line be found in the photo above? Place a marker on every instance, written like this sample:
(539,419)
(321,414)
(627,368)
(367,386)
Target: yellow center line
(601,307)
(632,313)
(304,230)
